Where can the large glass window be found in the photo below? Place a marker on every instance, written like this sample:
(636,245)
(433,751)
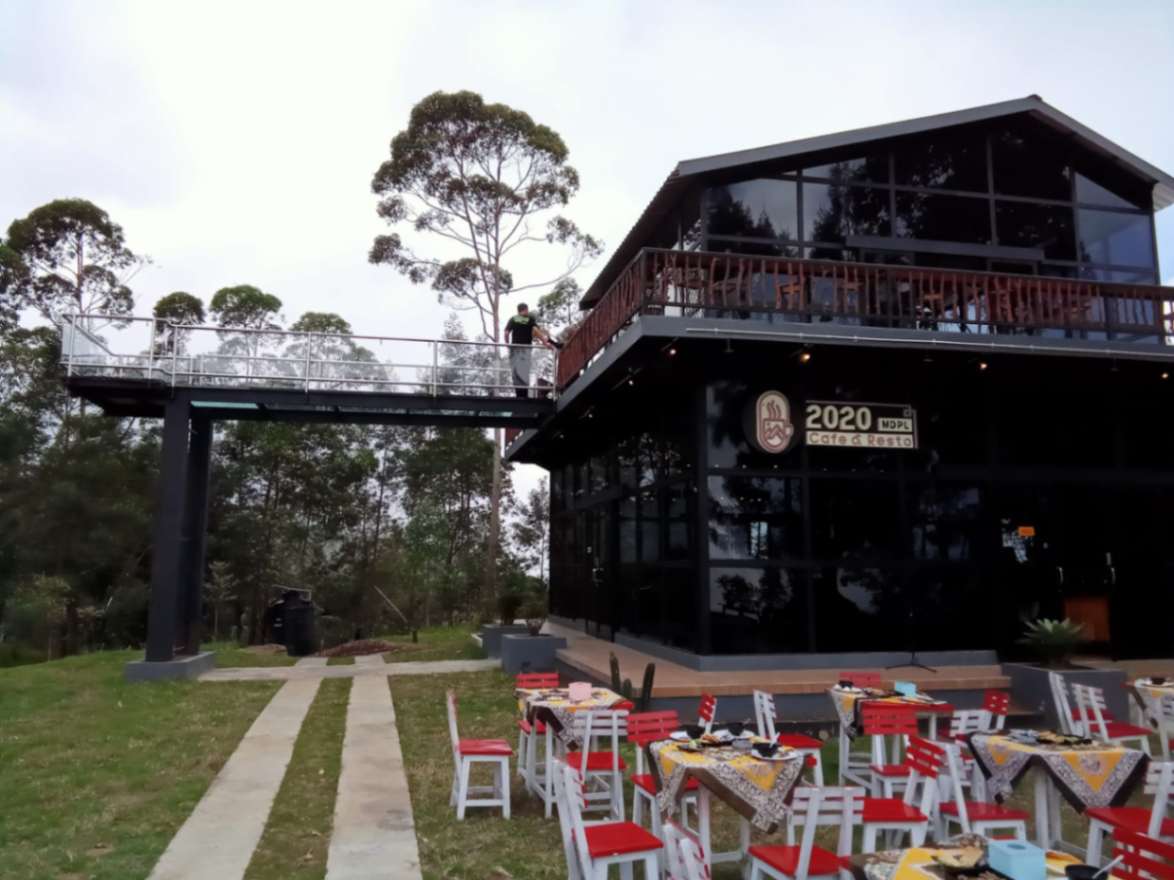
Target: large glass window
(1027,164)
(755,518)
(757,610)
(855,519)
(1048,227)
(832,212)
(1089,192)
(941,161)
(868,169)
(761,208)
(944,521)
(1114,237)
(943,218)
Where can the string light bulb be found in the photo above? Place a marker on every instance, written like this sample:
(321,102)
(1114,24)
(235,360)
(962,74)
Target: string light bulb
(804,357)
(982,365)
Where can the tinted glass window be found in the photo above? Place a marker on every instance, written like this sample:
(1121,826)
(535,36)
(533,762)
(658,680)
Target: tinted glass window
(949,163)
(944,218)
(873,169)
(756,248)
(1113,237)
(754,518)
(832,212)
(1048,227)
(756,610)
(944,521)
(1029,165)
(854,519)
(1091,193)
(755,208)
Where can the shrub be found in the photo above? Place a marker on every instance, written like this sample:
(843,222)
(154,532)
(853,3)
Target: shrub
(1055,641)
(508,605)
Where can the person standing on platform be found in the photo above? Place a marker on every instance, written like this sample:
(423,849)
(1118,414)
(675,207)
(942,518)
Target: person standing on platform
(520,331)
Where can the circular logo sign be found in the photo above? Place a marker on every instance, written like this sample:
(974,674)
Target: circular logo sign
(773,428)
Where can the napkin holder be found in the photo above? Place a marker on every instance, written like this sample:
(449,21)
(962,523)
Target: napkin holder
(1016,859)
(905,688)
(579,691)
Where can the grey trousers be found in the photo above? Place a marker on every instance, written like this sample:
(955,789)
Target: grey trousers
(520,367)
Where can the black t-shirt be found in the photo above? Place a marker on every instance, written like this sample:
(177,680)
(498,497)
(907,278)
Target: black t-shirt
(520,329)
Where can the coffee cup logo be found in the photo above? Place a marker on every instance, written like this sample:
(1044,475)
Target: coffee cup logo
(773,428)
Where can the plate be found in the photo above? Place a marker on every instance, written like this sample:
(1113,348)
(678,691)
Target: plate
(679,736)
(776,758)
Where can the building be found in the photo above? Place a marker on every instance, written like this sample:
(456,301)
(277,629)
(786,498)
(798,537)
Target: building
(896,387)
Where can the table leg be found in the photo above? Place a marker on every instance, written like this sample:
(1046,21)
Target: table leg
(933,726)
(1054,826)
(547,783)
(1043,834)
(703,824)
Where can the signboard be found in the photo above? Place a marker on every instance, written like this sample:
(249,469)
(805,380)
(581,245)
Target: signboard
(860,425)
(773,428)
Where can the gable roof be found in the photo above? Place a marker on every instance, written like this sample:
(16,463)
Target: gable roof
(686,171)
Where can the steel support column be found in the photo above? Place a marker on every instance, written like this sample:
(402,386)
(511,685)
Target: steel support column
(195,527)
(166,559)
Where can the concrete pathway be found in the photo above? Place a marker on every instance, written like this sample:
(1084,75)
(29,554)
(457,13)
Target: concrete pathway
(369,660)
(359,670)
(218,838)
(373,836)
(311,661)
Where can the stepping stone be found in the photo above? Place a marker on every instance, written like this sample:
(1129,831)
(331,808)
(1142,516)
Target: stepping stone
(369,660)
(218,838)
(374,837)
(311,661)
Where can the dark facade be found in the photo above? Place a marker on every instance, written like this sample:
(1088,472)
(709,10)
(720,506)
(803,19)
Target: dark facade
(1040,481)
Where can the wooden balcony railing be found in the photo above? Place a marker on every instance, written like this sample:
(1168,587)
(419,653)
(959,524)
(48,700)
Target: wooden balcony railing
(723,285)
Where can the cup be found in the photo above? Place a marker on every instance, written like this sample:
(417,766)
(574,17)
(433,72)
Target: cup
(579,691)
(766,750)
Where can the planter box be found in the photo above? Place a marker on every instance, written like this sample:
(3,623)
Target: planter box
(527,653)
(1030,688)
(491,636)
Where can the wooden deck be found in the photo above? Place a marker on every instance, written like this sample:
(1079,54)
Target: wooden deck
(589,656)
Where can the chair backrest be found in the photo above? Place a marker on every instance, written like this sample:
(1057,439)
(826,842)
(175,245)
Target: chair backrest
(1166,710)
(956,772)
(1159,784)
(590,726)
(535,680)
(862,679)
(1090,710)
(685,857)
(1060,699)
(706,711)
(969,721)
(764,715)
(650,727)
(450,699)
(841,806)
(880,719)
(998,704)
(1143,858)
(569,791)
(926,760)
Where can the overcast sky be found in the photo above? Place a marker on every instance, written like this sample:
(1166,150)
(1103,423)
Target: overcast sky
(235,141)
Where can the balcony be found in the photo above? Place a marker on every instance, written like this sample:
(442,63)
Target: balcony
(722,285)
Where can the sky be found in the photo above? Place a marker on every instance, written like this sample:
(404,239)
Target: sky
(235,141)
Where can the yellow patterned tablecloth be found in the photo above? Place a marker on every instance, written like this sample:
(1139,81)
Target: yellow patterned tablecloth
(1149,695)
(917,863)
(758,789)
(848,703)
(553,706)
(1094,775)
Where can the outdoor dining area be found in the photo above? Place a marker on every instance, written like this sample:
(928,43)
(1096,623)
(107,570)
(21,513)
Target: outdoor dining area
(909,787)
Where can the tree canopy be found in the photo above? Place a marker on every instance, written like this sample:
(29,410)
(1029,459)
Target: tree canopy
(180,307)
(246,306)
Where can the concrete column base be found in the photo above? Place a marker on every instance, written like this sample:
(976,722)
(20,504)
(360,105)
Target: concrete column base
(164,670)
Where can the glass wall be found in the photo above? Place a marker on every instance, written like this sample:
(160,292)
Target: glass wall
(1009,184)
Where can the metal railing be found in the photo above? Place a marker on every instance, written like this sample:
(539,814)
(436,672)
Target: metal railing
(724,285)
(152,350)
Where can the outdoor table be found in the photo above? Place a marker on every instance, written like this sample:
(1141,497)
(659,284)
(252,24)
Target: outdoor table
(849,702)
(554,708)
(1148,696)
(917,863)
(758,789)
(1092,774)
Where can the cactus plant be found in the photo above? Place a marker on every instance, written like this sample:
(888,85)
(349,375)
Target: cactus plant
(623,686)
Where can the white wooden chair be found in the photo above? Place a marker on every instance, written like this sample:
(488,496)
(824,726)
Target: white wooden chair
(1064,714)
(1165,725)
(765,719)
(468,752)
(963,723)
(811,808)
(685,855)
(645,728)
(974,816)
(591,848)
(707,711)
(1093,720)
(907,814)
(998,705)
(530,736)
(604,767)
(1156,822)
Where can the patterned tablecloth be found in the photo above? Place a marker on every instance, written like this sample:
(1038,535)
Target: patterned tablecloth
(917,863)
(756,788)
(553,706)
(1092,775)
(849,702)
(1148,695)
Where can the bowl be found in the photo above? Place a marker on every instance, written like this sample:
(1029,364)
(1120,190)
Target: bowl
(1157,679)
(694,730)
(736,727)
(844,683)
(766,750)
(1081,872)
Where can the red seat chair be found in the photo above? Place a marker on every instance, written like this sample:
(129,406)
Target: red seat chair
(975,816)
(604,767)
(466,753)
(866,679)
(591,848)
(1143,858)
(1154,822)
(997,704)
(1094,720)
(878,721)
(527,733)
(645,728)
(925,761)
(812,807)
(707,711)
(686,856)
(765,719)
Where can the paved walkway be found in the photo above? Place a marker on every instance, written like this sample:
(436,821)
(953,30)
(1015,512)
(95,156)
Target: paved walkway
(316,673)
(218,838)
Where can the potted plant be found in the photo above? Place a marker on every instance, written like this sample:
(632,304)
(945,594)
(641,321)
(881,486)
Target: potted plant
(508,605)
(1054,641)
(533,651)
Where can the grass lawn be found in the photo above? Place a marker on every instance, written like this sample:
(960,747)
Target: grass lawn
(230,655)
(297,837)
(436,643)
(99,774)
(340,661)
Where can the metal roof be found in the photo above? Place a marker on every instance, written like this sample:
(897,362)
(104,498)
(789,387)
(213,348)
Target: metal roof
(686,171)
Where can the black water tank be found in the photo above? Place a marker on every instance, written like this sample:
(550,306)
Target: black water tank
(299,629)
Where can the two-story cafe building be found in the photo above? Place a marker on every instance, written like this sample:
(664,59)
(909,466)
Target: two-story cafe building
(904,385)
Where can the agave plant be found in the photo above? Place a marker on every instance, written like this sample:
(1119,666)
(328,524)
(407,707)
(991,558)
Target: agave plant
(1055,641)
